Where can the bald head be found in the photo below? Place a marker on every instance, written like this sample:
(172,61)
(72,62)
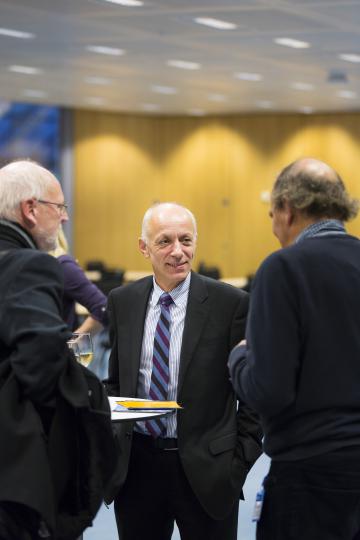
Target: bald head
(162,212)
(313,188)
(315,168)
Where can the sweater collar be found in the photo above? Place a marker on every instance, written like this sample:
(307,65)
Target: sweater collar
(324,227)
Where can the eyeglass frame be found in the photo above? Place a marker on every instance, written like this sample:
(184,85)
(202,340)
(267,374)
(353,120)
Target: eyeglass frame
(62,207)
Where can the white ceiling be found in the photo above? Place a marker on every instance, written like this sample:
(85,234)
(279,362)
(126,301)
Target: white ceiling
(163,30)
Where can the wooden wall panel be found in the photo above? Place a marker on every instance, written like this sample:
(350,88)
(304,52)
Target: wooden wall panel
(218,167)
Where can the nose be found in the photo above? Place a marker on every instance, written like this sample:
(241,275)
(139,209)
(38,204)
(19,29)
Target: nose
(176,250)
(64,216)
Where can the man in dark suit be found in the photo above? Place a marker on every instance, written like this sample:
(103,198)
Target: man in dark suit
(190,468)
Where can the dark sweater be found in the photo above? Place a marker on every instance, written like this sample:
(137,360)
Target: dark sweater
(301,370)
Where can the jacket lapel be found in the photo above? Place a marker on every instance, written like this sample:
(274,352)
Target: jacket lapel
(137,324)
(196,315)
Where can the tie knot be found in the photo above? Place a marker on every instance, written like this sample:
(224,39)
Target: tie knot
(165,300)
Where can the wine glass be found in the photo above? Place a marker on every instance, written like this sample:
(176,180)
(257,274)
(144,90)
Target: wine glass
(84,351)
(75,348)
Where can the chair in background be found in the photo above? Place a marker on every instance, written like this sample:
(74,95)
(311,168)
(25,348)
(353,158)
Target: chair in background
(209,271)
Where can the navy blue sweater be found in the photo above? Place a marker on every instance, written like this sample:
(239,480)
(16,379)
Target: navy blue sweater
(301,370)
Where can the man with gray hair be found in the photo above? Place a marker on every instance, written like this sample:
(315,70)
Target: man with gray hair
(44,393)
(171,334)
(300,365)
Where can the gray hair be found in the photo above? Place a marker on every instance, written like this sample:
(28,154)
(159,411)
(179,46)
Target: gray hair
(167,205)
(314,188)
(19,181)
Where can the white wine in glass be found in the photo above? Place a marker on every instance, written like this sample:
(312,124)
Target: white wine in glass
(84,348)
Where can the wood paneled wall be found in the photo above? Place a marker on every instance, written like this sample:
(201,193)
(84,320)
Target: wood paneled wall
(218,167)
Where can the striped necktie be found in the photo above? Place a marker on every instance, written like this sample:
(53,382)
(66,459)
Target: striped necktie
(160,374)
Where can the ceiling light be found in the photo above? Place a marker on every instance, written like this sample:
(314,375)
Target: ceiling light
(350,57)
(264,104)
(347,94)
(26,70)
(97,80)
(217,97)
(306,87)
(169,90)
(16,33)
(215,23)
(244,76)
(112,51)
(34,93)
(127,3)
(183,64)
(294,43)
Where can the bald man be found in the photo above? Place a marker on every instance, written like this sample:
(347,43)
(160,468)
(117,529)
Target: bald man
(300,366)
(191,468)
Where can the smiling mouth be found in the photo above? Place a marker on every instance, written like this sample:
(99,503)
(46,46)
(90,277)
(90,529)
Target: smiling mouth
(177,265)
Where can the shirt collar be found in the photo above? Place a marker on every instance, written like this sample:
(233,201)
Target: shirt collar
(324,227)
(178,295)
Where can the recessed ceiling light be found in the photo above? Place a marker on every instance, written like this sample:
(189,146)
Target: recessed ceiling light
(294,43)
(196,112)
(347,94)
(244,76)
(150,107)
(163,89)
(183,64)
(34,93)
(217,97)
(97,80)
(128,3)
(350,57)
(16,33)
(264,104)
(112,51)
(95,100)
(215,23)
(25,70)
(306,87)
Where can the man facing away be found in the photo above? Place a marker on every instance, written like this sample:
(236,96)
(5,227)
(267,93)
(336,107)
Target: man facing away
(171,334)
(44,394)
(300,368)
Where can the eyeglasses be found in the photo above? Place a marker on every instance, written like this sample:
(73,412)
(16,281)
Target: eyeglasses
(62,207)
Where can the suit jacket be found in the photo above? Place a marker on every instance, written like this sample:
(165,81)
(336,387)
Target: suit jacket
(217,443)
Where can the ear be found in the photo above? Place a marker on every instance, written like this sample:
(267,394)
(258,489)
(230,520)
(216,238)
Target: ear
(28,212)
(290,213)
(144,248)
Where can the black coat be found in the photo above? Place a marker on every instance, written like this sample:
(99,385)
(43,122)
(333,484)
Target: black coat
(57,452)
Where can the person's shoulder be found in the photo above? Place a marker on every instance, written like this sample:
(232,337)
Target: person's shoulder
(35,264)
(66,258)
(218,287)
(41,259)
(277,259)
